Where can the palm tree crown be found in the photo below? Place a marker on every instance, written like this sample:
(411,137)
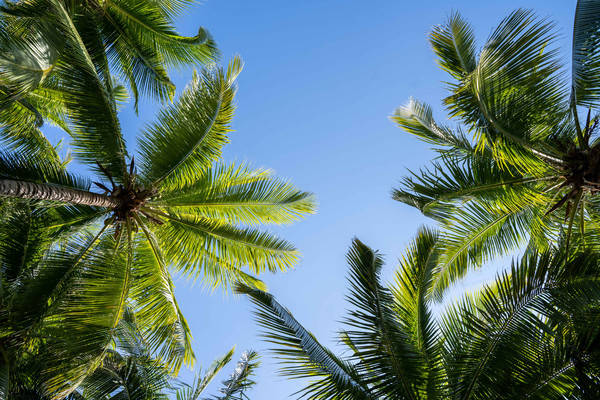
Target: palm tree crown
(531,174)
(180,210)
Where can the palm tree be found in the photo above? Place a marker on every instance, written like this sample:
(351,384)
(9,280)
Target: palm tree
(181,209)
(505,341)
(531,174)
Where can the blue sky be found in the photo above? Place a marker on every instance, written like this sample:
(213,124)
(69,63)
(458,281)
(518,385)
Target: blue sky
(321,78)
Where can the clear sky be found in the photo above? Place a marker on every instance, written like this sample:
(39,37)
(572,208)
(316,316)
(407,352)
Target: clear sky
(321,78)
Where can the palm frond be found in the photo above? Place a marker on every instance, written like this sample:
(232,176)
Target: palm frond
(454,44)
(96,135)
(417,119)
(458,180)
(389,358)
(303,355)
(239,195)
(479,231)
(515,92)
(193,392)
(84,311)
(190,134)
(411,290)
(512,312)
(18,166)
(241,378)
(193,243)
(157,312)
(586,54)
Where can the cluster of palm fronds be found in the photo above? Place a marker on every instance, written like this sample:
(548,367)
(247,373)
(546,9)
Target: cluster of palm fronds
(87,305)
(528,182)
(82,255)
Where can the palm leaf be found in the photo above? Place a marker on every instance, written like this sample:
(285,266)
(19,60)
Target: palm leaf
(586,56)
(239,195)
(303,355)
(190,134)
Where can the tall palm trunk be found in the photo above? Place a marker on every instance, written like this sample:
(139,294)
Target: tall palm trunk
(44,191)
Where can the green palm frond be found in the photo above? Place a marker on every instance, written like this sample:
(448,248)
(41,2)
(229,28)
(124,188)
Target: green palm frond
(509,340)
(512,311)
(390,358)
(485,230)
(18,166)
(193,243)
(304,355)
(454,44)
(417,119)
(149,26)
(515,86)
(190,134)
(89,290)
(527,177)
(241,378)
(156,310)
(27,58)
(411,290)
(142,43)
(586,56)
(459,180)
(194,391)
(239,195)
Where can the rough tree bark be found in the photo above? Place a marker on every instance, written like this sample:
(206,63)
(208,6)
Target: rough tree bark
(44,191)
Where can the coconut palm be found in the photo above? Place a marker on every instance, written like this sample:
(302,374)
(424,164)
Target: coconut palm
(181,209)
(506,341)
(531,171)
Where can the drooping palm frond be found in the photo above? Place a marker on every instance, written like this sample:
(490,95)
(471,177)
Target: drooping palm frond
(191,243)
(304,355)
(90,298)
(142,43)
(18,166)
(156,310)
(131,38)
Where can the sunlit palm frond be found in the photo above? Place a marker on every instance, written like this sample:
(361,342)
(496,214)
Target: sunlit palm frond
(157,313)
(190,134)
(88,290)
(239,195)
(189,241)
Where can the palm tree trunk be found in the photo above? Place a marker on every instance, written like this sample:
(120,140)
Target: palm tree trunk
(45,191)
